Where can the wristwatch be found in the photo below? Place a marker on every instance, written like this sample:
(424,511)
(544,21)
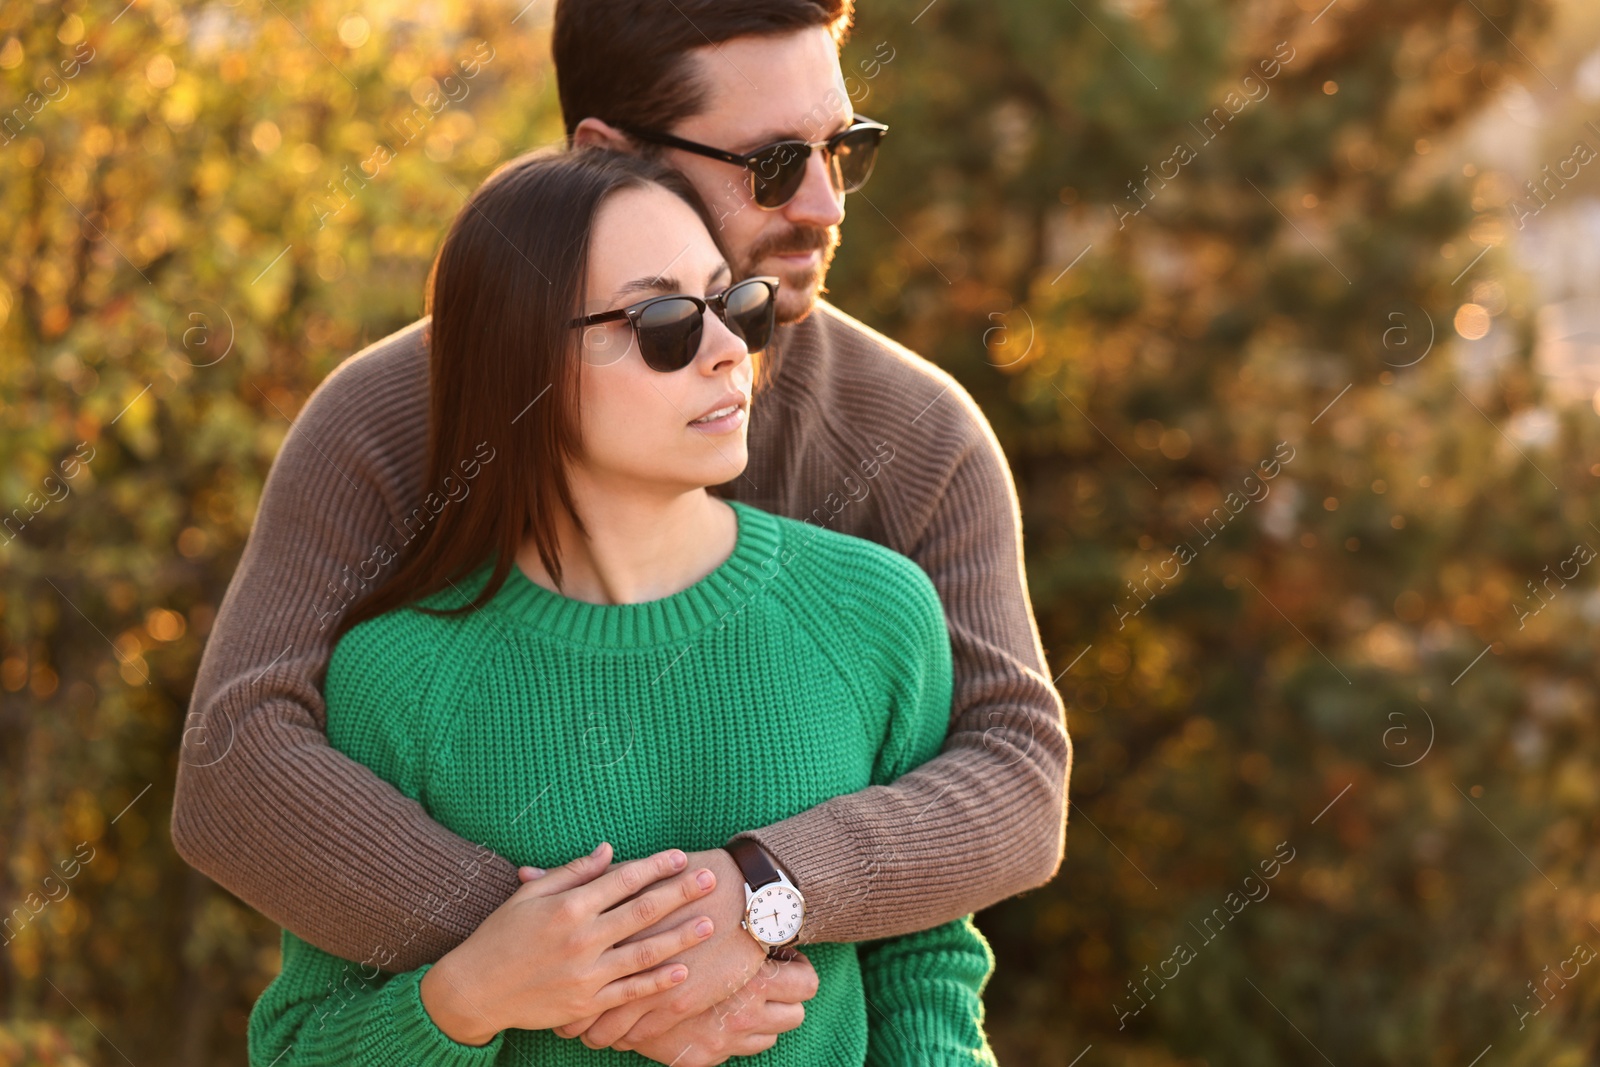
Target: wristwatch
(773,906)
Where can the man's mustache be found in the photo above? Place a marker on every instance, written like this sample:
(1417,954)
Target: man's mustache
(799,239)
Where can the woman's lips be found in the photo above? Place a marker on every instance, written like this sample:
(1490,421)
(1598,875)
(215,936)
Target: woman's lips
(723,424)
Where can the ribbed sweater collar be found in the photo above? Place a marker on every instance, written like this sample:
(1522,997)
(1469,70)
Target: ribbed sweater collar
(671,619)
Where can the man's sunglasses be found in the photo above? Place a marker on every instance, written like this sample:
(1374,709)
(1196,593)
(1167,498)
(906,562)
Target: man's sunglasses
(669,327)
(777,170)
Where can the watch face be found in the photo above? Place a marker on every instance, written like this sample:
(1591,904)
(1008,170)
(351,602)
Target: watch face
(774,914)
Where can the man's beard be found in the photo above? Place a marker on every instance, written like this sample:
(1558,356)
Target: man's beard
(800,289)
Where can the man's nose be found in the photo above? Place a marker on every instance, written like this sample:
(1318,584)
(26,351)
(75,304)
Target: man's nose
(817,203)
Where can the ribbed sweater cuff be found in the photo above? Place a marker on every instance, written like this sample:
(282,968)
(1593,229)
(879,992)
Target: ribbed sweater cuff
(416,1032)
(828,863)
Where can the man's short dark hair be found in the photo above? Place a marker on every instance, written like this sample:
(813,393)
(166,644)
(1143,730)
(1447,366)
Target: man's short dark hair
(627,61)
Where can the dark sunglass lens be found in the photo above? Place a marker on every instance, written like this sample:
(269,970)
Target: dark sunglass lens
(856,153)
(750,309)
(669,334)
(778,173)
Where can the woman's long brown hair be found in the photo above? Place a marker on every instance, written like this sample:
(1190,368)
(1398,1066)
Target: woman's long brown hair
(503,370)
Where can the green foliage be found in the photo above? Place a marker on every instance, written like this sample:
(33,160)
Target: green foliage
(181,268)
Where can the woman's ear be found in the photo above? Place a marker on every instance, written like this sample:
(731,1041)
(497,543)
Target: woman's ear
(597,133)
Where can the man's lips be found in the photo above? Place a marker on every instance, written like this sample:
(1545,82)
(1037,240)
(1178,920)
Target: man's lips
(798,257)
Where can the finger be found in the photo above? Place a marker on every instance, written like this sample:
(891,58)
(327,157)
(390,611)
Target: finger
(650,907)
(573,1029)
(795,981)
(529,874)
(750,1011)
(573,873)
(637,956)
(636,987)
(627,879)
(619,1019)
(691,1029)
(750,1044)
(774,1018)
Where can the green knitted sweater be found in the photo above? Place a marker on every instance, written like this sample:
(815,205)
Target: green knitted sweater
(808,664)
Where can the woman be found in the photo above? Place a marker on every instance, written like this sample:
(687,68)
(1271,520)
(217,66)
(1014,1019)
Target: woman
(587,645)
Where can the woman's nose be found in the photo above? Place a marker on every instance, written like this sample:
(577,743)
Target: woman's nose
(720,347)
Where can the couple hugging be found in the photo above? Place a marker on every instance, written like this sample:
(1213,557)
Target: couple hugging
(689,700)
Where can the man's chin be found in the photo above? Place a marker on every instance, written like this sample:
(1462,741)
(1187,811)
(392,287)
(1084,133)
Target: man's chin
(794,307)
(798,294)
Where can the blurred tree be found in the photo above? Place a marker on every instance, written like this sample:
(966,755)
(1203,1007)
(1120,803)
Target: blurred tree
(1163,243)
(207,206)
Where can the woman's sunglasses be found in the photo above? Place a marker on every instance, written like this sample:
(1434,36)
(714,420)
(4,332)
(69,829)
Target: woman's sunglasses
(669,327)
(777,170)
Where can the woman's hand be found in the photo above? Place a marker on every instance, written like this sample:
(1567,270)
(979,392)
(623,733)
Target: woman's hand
(550,955)
(722,965)
(771,1003)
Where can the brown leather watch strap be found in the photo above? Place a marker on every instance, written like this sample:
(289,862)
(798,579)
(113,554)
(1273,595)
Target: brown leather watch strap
(753,863)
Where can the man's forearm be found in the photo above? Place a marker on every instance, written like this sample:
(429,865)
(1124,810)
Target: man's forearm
(389,887)
(929,848)
(985,819)
(263,804)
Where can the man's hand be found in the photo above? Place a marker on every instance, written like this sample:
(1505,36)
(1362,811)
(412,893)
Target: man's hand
(719,967)
(744,1024)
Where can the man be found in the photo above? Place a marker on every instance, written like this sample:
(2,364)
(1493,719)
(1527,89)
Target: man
(854,432)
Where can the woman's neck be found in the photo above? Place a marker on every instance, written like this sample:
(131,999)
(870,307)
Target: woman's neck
(642,545)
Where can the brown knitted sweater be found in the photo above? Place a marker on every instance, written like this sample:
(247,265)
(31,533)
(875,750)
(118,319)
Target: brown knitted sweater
(853,432)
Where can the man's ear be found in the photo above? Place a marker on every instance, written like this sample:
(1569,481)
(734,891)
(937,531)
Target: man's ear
(593,132)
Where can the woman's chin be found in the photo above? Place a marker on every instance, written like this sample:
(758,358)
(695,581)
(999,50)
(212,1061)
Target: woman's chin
(723,467)
(727,472)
